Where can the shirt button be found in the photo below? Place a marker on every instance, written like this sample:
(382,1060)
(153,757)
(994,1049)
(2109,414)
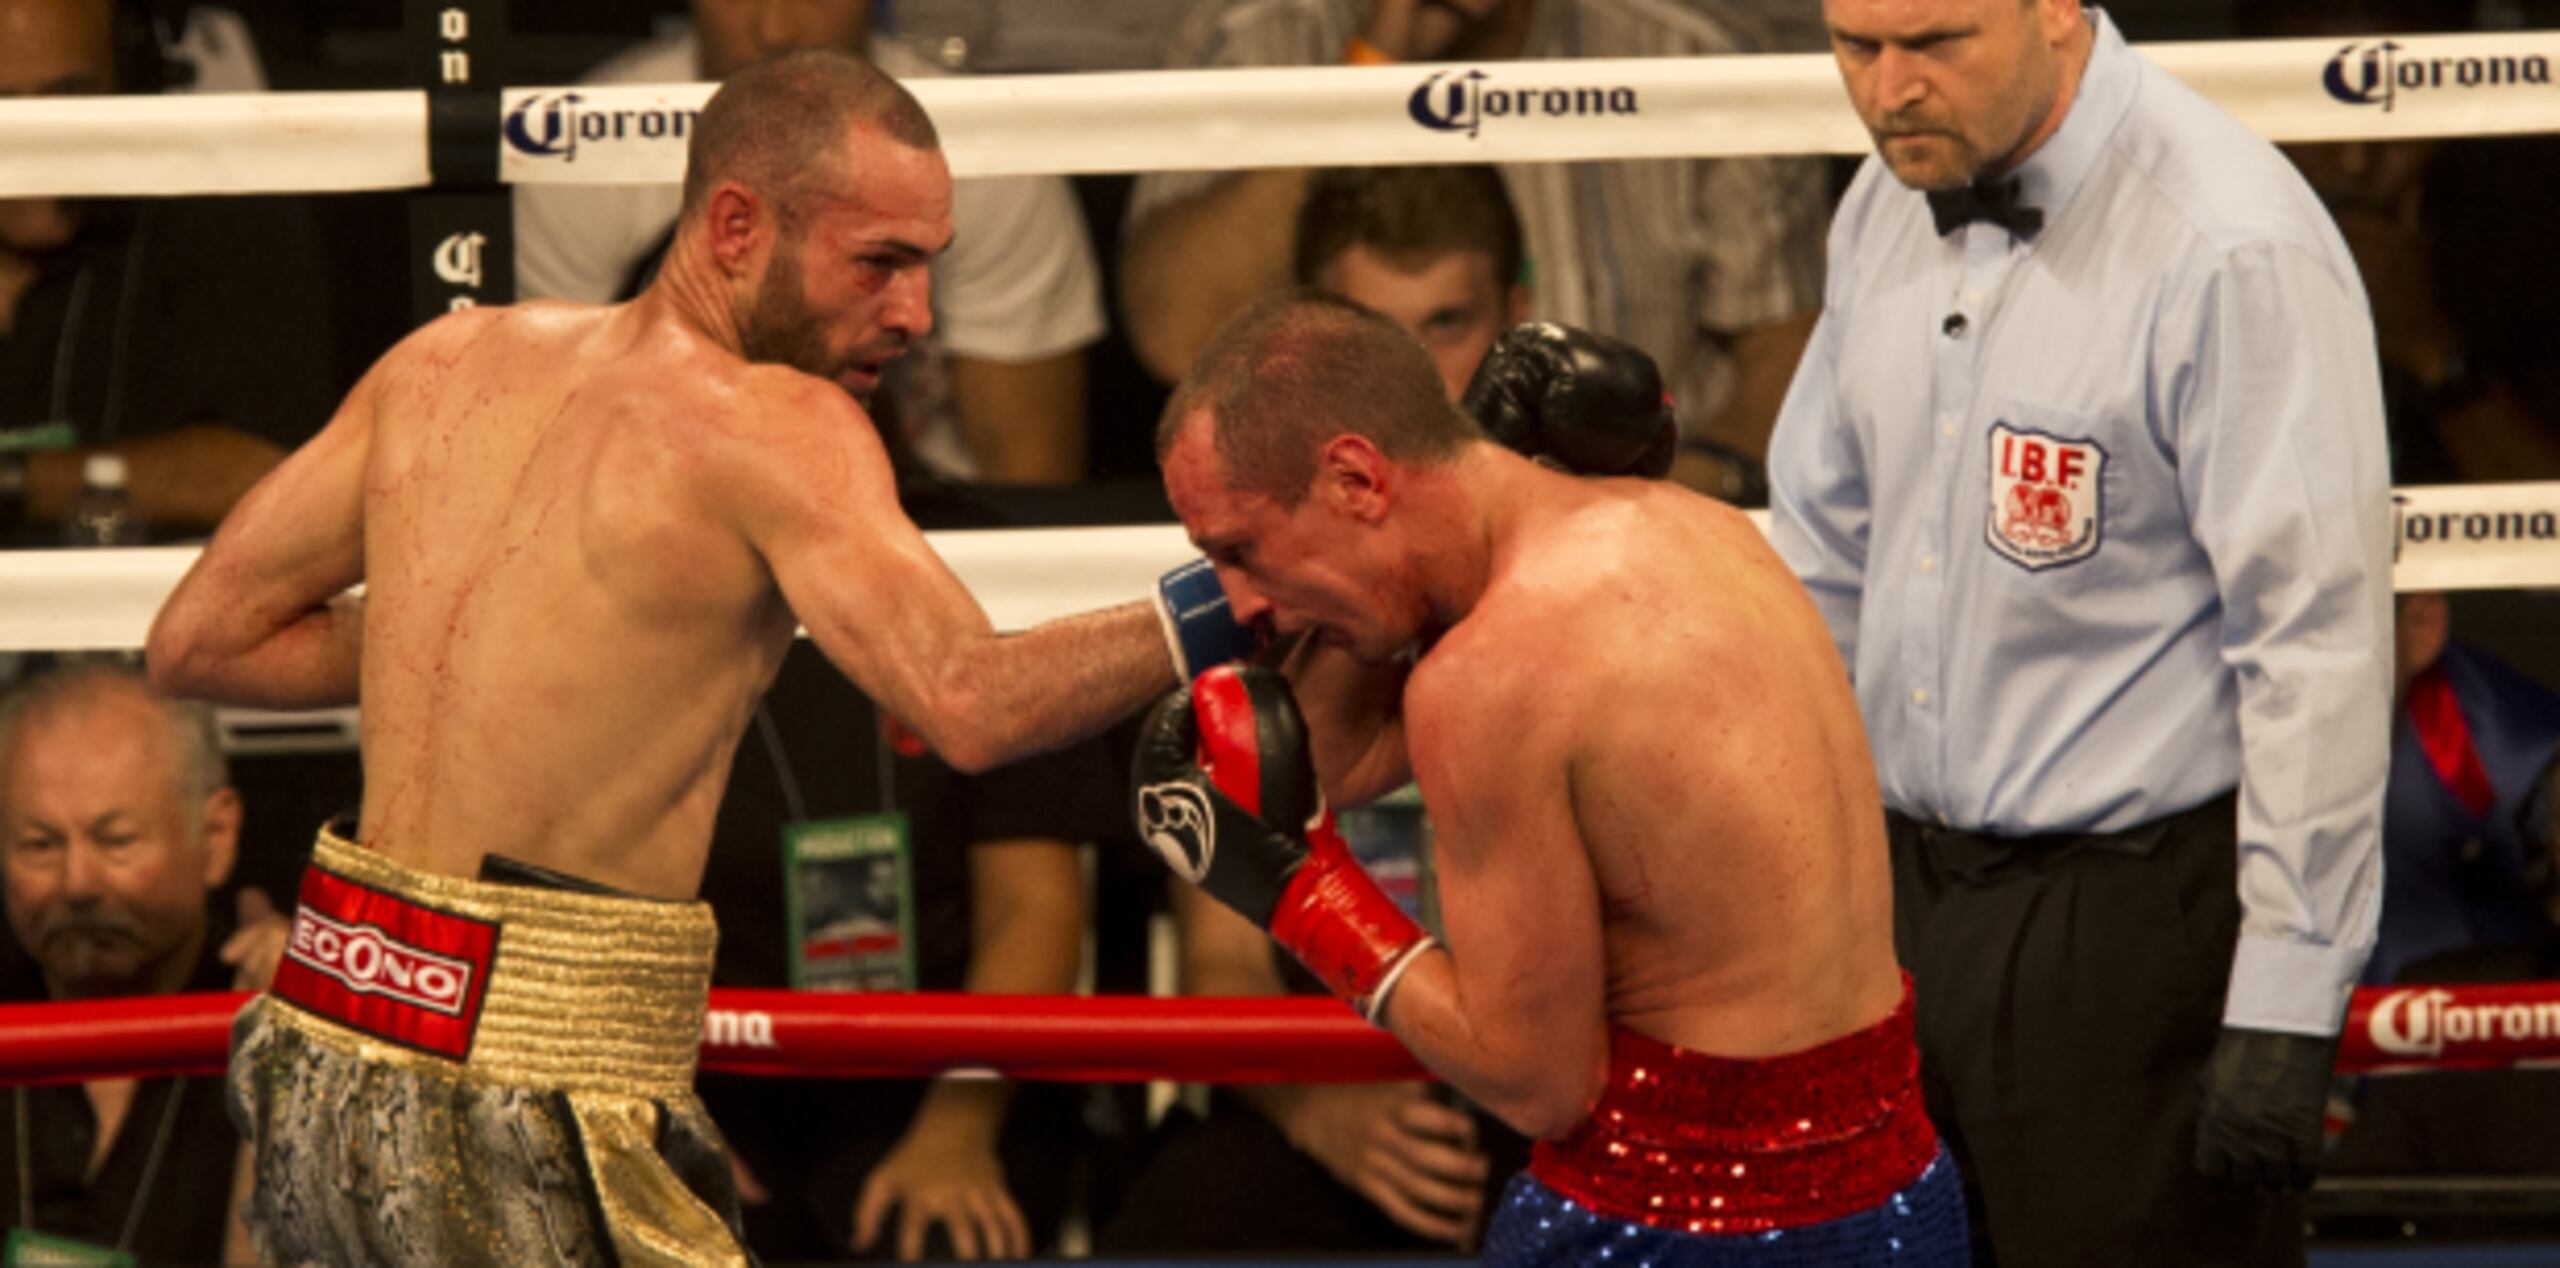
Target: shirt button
(1920,696)
(1928,563)
(1973,297)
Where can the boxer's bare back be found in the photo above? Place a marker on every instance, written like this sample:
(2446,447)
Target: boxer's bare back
(585,537)
(566,628)
(1677,732)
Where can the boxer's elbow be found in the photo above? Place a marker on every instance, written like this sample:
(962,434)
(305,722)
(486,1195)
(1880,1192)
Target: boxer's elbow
(970,752)
(1550,1101)
(988,706)
(176,654)
(964,725)
(1549,1112)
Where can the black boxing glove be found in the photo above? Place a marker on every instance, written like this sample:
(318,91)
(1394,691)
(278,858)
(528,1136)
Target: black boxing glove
(2265,1094)
(1584,402)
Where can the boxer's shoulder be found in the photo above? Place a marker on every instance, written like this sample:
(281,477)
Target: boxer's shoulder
(1514,659)
(772,446)
(438,346)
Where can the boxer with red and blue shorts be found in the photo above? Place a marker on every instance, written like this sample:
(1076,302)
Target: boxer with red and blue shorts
(1821,1156)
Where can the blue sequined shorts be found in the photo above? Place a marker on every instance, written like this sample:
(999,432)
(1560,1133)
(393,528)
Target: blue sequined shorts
(1923,1226)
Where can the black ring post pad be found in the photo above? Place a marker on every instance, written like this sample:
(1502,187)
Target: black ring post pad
(462,139)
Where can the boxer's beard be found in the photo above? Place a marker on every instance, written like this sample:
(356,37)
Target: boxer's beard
(780,329)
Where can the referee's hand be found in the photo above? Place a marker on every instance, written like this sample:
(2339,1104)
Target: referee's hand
(2264,1096)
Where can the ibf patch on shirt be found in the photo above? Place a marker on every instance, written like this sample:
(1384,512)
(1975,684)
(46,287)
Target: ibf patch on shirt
(2046,501)
(392,968)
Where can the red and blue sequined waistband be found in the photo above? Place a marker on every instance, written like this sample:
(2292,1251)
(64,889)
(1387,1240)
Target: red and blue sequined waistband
(1704,1144)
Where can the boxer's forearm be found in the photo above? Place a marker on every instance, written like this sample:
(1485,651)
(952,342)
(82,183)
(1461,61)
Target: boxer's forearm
(1354,722)
(1541,1087)
(1002,698)
(314,661)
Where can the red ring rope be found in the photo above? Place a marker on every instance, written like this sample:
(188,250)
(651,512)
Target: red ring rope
(1135,1038)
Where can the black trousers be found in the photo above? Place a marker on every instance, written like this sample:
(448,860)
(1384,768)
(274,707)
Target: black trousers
(2070,988)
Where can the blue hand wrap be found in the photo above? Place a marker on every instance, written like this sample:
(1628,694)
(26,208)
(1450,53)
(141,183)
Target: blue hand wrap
(1198,625)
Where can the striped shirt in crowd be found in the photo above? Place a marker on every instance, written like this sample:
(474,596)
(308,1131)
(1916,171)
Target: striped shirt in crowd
(1674,255)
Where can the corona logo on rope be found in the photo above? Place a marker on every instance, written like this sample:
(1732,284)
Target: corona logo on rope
(732,1028)
(2375,73)
(552,125)
(2428,1023)
(2418,527)
(1455,101)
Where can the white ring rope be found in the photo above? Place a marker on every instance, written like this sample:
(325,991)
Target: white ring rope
(1131,121)
(2448,537)
(2451,537)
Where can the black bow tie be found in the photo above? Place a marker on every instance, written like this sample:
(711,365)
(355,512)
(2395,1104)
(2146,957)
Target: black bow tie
(1998,203)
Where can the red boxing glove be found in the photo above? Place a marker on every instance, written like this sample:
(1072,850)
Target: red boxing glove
(1226,794)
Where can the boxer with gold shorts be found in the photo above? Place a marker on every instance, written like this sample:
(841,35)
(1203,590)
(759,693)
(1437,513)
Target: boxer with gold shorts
(461,1071)
(585,538)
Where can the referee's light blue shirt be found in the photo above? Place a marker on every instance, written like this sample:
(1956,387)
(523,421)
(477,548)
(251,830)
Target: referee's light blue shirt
(2101,518)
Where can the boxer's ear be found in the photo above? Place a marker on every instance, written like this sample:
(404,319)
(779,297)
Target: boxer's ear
(1354,478)
(737,223)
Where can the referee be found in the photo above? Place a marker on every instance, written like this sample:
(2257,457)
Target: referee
(2085,466)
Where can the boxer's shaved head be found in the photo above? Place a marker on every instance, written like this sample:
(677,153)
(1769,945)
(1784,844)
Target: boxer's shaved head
(1298,369)
(778,126)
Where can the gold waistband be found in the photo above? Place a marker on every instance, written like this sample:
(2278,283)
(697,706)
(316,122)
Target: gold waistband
(588,992)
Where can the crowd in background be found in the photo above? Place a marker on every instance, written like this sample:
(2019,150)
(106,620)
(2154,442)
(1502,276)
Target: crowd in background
(196,341)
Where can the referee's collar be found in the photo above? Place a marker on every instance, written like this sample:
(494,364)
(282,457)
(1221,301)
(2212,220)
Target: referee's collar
(2055,172)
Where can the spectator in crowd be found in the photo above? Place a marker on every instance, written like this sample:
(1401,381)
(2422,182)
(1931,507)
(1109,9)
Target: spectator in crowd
(1434,249)
(2444,1124)
(989,899)
(221,47)
(1712,266)
(2450,240)
(997,391)
(190,335)
(1437,250)
(2495,266)
(2463,829)
(119,827)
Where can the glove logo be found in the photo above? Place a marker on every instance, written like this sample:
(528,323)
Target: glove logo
(1175,820)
